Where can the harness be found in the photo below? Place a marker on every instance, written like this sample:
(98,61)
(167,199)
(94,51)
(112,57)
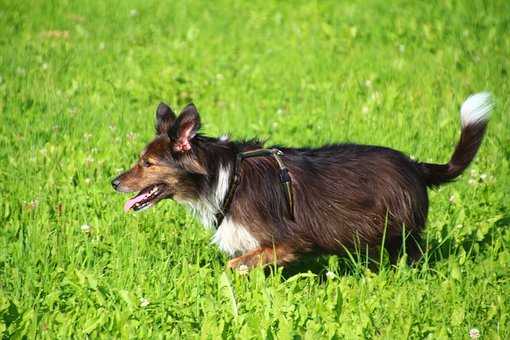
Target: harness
(283,175)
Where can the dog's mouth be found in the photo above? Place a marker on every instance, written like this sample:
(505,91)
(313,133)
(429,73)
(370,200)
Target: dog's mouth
(146,198)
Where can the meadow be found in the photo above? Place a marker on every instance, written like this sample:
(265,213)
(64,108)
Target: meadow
(79,85)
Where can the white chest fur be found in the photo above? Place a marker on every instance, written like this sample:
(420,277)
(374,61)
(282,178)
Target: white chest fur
(232,238)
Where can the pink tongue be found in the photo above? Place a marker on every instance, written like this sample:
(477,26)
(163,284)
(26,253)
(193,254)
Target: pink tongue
(129,204)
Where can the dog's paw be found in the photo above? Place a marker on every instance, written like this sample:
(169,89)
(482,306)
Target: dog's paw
(235,263)
(250,260)
(238,265)
(232,263)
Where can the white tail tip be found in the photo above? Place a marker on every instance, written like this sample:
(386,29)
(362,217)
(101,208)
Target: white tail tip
(476,108)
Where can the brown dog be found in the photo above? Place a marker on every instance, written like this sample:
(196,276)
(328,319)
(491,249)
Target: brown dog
(344,196)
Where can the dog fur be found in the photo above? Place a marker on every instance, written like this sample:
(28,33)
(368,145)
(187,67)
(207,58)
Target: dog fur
(347,196)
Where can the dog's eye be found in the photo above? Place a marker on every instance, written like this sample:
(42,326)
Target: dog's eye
(147,164)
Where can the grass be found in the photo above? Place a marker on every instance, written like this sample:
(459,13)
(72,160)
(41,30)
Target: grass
(79,84)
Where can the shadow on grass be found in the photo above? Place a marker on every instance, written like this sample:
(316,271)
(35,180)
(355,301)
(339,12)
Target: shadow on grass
(471,246)
(342,265)
(309,263)
(357,264)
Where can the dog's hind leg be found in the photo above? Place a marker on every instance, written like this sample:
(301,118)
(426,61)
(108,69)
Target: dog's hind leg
(411,242)
(414,248)
(262,256)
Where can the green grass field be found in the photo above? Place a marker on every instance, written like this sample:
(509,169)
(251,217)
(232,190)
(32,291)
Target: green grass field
(79,84)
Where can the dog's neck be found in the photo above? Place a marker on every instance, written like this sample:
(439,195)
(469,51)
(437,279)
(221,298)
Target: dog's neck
(218,157)
(210,201)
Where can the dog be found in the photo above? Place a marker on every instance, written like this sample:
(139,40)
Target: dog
(337,198)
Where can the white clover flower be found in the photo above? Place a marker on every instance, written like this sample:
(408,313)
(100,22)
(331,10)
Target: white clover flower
(144,302)
(376,96)
(32,204)
(243,269)
(86,228)
(474,333)
(330,275)
(131,136)
(133,13)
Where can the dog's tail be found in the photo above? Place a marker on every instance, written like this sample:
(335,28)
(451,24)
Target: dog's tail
(474,115)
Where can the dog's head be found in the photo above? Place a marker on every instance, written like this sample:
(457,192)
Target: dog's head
(168,167)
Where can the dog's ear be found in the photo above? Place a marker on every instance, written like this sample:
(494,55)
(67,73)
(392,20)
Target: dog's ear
(185,128)
(165,118)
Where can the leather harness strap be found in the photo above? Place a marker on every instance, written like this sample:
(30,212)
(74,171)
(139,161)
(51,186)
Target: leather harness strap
(284,176)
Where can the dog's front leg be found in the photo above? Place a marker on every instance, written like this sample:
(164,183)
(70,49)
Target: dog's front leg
(262,256)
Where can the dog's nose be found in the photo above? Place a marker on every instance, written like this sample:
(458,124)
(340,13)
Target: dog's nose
(115,183)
